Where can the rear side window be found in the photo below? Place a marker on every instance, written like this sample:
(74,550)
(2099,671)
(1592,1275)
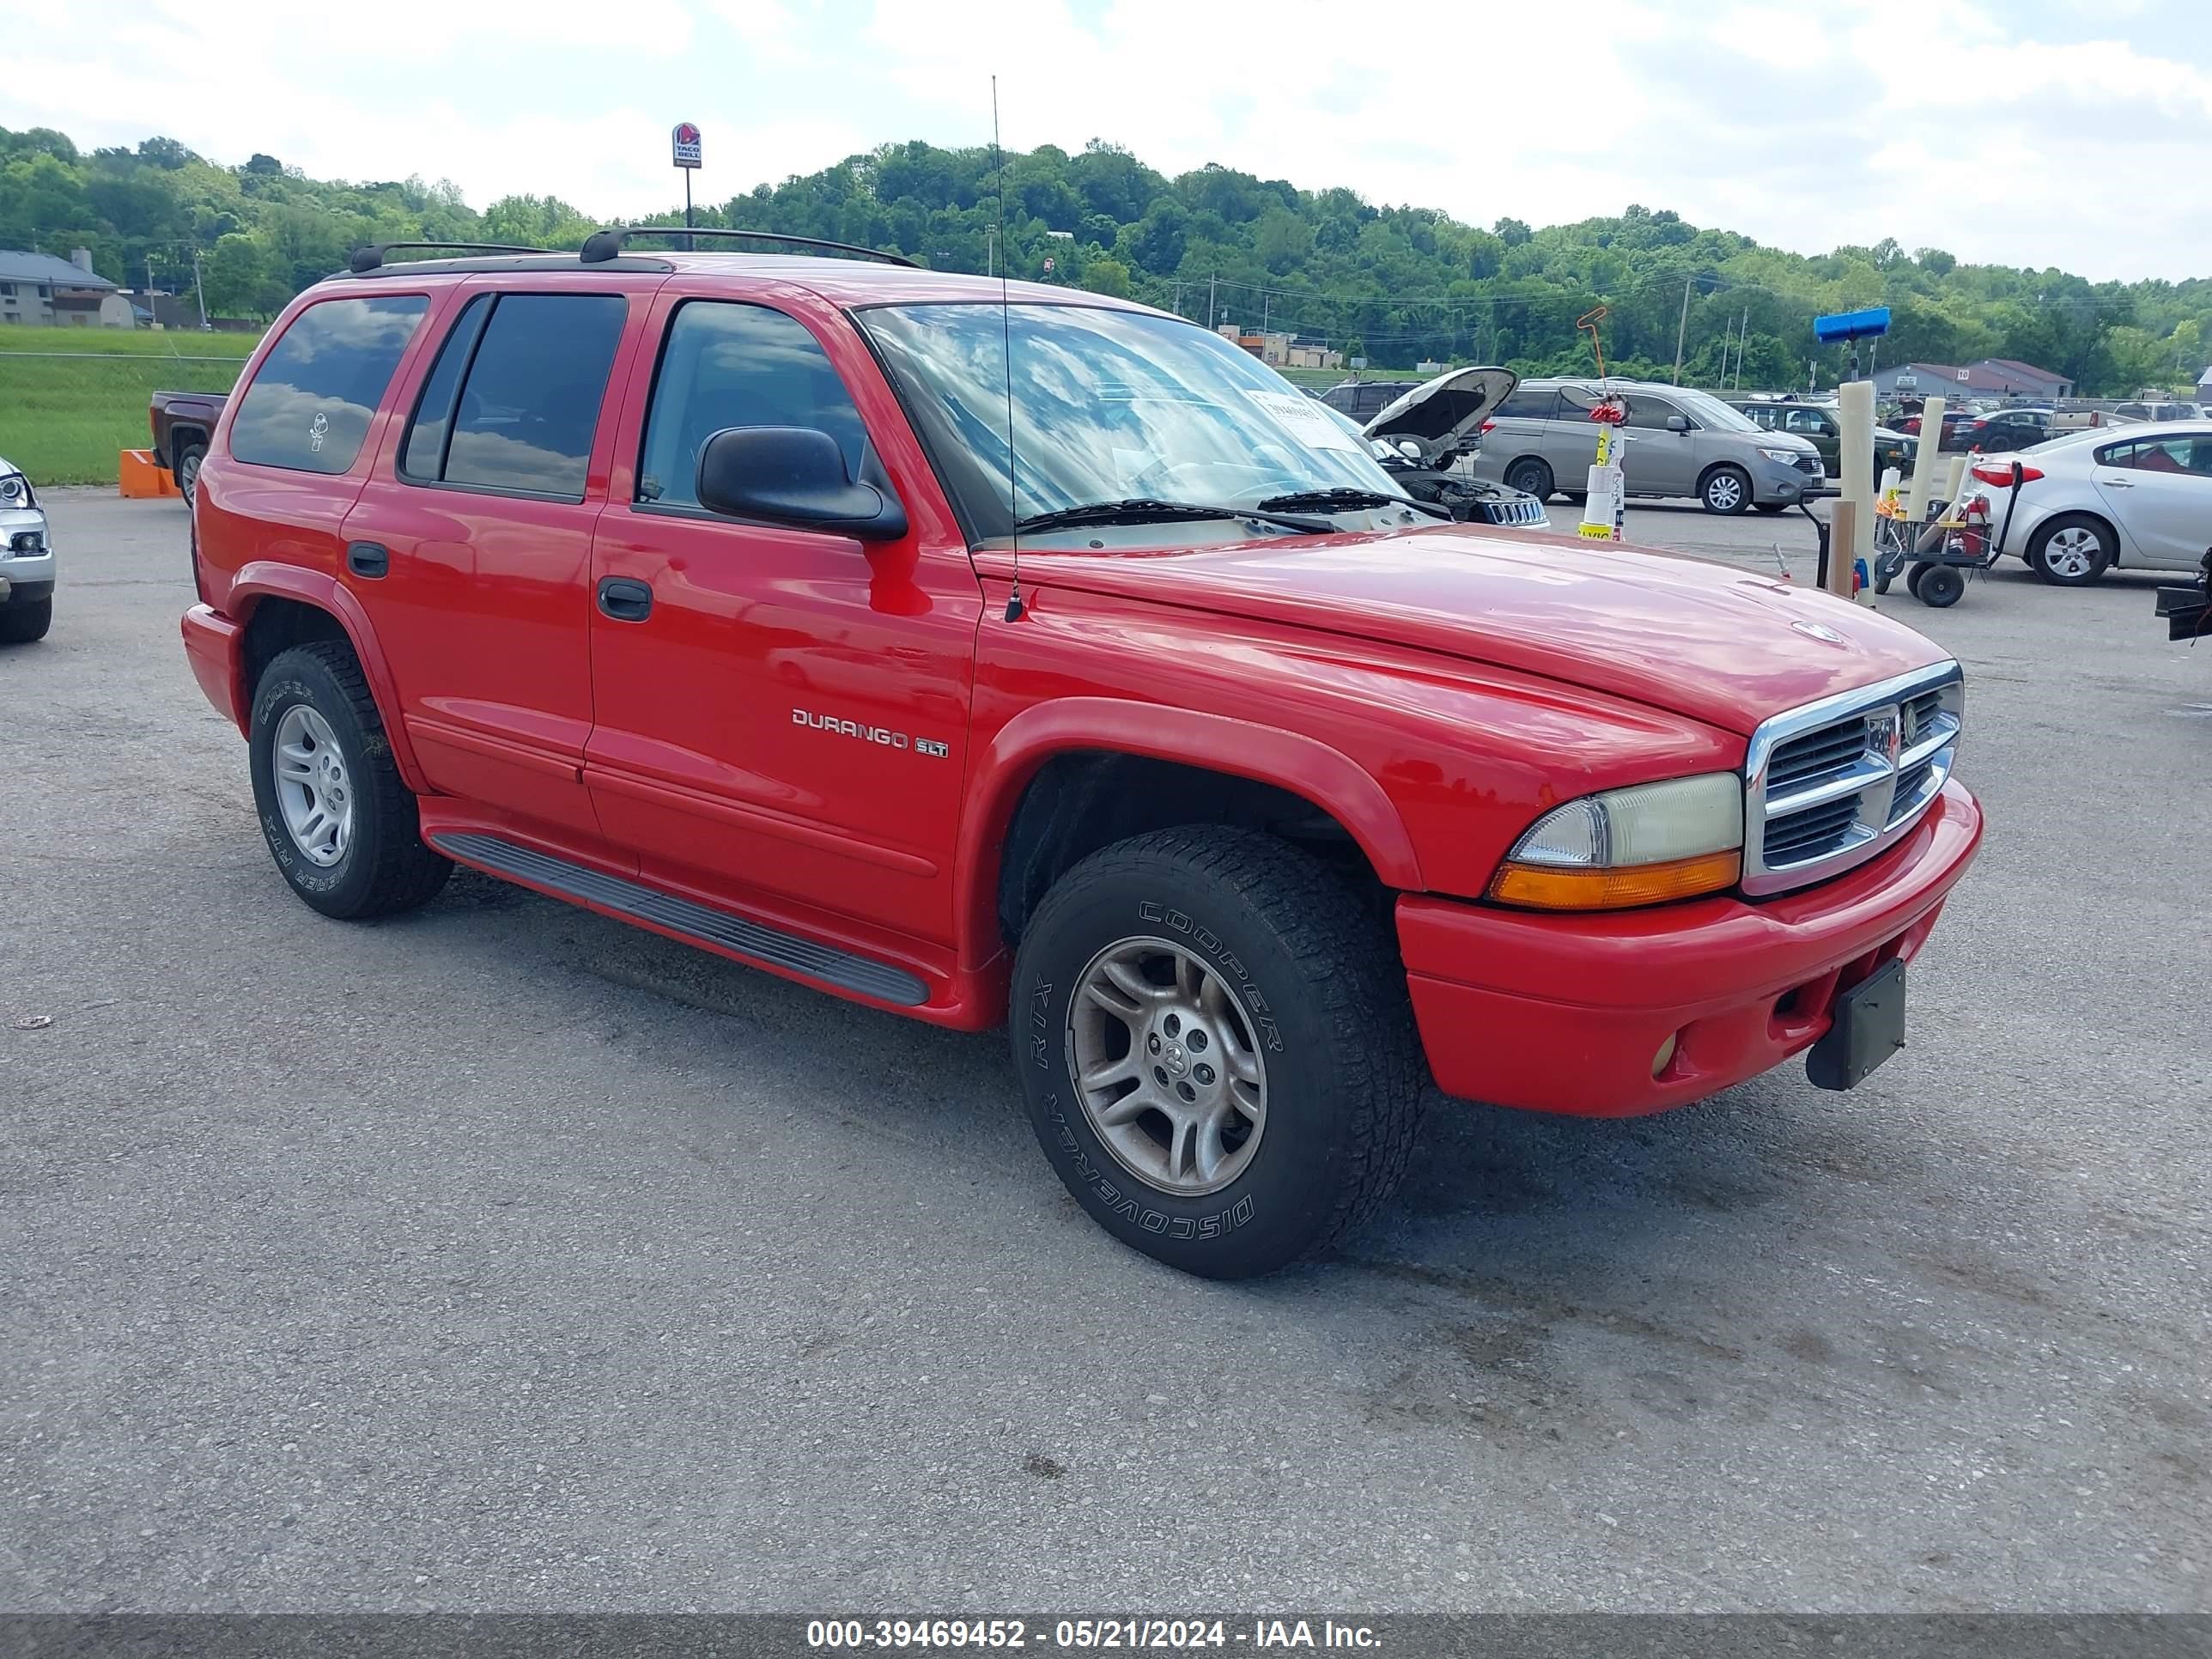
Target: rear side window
(727,364)
(315,393)
(1527,405)
(511,404)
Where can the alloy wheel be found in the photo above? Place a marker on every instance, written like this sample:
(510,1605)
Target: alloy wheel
(1166,1068)
(313,786)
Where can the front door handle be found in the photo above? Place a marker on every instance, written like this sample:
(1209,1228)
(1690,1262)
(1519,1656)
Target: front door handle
(624,599)
(370,559)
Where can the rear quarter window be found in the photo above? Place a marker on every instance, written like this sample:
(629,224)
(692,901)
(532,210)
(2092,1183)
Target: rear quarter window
(1526,405)
(312,399)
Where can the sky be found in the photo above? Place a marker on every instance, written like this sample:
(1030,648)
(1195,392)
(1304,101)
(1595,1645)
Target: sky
(2021,132)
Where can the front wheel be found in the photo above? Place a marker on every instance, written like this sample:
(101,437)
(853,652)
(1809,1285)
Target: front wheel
(1217,1049)
(1531,477)
(340,823)
(1726,489)
(22,624)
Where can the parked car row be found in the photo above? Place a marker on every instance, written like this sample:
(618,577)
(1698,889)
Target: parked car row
(1678,441)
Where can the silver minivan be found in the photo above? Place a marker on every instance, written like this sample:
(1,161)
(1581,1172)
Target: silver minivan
(1678,442)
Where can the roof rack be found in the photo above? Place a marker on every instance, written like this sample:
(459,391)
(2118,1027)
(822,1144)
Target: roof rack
(603,244)
(370,255)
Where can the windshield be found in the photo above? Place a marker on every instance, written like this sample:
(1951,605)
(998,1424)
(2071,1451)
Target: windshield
(1108,406)
(1710,411)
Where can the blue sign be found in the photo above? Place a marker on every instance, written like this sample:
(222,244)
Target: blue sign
(1851,325)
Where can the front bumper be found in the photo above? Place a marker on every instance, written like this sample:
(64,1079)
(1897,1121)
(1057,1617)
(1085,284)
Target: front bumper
(1773,483)
(1567,1014)
(30,576)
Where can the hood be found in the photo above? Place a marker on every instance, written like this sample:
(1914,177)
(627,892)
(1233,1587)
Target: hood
(1441,414)
(1723,644)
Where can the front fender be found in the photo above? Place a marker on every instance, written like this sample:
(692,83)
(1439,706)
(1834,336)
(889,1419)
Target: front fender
(264,578)
(1303,765)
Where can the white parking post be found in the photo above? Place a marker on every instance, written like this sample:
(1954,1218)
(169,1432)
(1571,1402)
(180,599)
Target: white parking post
(1855,415)
(1923,459)
(1958,480)
(1607,494)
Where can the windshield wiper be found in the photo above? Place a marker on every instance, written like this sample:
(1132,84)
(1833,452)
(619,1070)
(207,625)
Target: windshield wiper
(1143,509)
(1344,498)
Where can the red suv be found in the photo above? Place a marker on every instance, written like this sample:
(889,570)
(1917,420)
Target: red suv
(1021,655)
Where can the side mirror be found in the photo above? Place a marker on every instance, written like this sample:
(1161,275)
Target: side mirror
(1678,423)
(794,474)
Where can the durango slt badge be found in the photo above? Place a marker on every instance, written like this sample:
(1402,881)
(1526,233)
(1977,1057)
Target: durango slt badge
(881,734)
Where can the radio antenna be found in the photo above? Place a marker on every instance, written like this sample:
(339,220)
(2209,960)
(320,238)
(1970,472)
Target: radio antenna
(1014,607)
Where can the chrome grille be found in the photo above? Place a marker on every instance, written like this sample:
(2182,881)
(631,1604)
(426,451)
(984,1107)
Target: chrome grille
(1529,511)
(1830,785)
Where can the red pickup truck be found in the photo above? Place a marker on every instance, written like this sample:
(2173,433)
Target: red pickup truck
(1032,658)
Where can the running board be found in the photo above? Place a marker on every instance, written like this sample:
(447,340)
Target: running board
(762,943)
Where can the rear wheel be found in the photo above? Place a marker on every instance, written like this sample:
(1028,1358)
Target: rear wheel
(20,624)
(2071,551)
(343,827)
(1941,586)
(1530,475)
(1725,489)
(1217,1048)
(189,456)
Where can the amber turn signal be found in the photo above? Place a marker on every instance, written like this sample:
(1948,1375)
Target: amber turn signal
(1543,887)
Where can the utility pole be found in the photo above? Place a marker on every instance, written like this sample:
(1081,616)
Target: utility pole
(199,290)
(1742,335)
(1210,283)
(1680,328)
(990,249)
(1728,339)
(1178,301)
(1267,304)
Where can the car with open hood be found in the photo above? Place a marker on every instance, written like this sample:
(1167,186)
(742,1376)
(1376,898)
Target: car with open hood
(997,655)
(1427,437)
(27,560)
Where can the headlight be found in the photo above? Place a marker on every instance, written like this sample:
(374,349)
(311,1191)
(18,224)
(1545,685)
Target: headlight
(1787,456)
(14,490)
(1628,847)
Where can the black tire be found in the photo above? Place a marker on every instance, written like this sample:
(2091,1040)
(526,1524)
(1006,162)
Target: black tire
(187,470)
(385,867)
(1531,477)
(1915,574)
(21,624)
(1319,993)
(1941,587)
(1725,489)
(2048,552)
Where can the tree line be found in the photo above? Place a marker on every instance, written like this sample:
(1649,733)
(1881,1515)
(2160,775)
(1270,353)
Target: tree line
(1396,285)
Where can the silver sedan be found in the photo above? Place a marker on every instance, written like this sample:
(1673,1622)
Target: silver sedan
(2138,496)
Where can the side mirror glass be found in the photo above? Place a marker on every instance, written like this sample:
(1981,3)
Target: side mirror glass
(794,474)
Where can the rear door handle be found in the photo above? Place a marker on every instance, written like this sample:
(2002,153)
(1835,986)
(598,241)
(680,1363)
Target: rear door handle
(624,599)
(370,559)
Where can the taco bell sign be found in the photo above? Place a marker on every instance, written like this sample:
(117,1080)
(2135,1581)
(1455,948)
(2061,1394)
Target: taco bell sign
(684,144)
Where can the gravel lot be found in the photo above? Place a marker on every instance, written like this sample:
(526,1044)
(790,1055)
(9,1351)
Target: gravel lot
(501,1256)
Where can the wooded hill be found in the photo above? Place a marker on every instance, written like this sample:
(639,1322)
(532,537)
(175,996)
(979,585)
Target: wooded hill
(1396,284)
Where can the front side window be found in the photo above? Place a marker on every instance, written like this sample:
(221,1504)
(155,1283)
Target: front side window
(511,404)
(1106,406)
(727,364)
(312,400)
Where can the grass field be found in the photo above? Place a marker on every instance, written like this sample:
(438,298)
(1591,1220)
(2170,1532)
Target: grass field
(70,399)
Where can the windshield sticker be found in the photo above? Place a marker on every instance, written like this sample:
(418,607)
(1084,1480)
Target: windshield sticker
(1307,422)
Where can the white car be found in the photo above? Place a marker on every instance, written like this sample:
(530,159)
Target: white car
(27,561)
(2138,496)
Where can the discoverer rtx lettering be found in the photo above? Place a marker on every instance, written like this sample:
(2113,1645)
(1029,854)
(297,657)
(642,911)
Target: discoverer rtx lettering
(865,733)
